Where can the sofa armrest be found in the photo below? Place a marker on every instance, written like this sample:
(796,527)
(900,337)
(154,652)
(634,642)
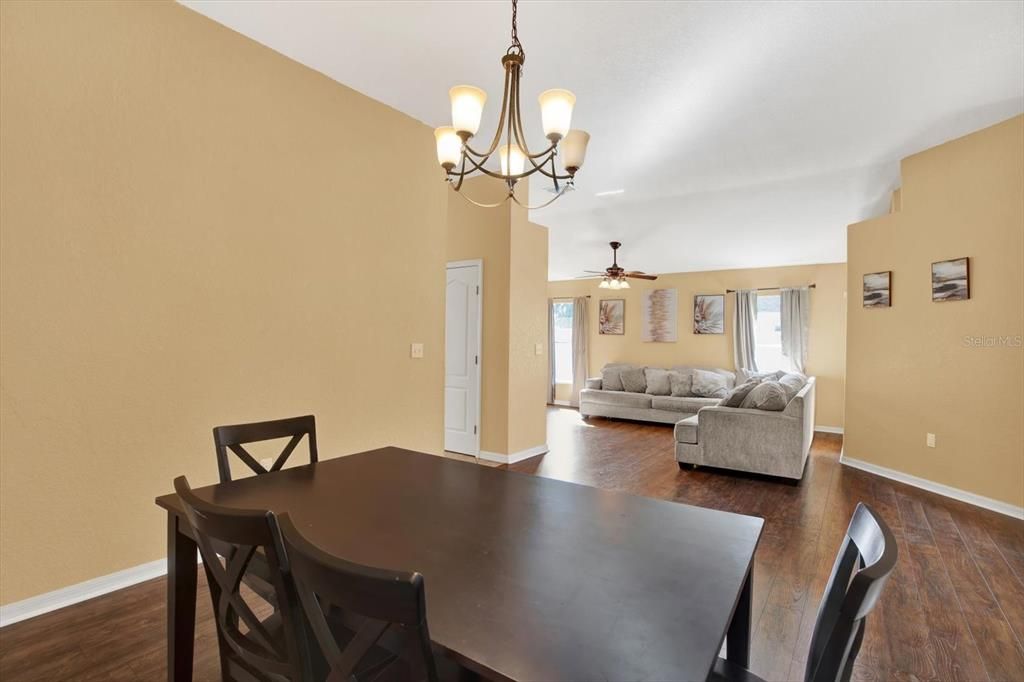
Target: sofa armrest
(593,382)
(751,440)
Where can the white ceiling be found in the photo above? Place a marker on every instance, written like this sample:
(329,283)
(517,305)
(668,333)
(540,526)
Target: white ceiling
(745,134)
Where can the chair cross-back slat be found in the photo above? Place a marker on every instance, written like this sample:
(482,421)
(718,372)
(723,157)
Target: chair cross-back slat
(271,649)
(387,602)
(234,437)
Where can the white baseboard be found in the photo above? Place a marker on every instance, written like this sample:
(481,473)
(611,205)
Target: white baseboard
(937,488)
(72,594)
(561,403)
(829,429)
(515,456)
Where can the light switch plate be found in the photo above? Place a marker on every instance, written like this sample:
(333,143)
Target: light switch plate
(539,349)
(930,440)
(416,350)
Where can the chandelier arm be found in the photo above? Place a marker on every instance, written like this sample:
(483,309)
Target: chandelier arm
(462,174)
(477,203)
(497,131)
(540,206)
(475,166)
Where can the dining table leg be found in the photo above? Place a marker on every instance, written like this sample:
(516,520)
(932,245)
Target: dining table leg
(737,640)
(181,600)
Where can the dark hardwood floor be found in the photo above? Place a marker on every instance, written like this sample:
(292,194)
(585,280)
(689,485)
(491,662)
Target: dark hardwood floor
(953,610)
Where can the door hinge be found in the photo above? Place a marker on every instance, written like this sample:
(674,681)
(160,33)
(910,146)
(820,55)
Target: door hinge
(476,359)
(477,289)
(474,430)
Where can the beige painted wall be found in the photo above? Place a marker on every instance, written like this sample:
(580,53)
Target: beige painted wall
(194,230)
(515,255)
(912,367)
(827,338)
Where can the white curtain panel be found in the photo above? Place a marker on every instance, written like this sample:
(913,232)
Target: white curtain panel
(796,306)
(744,337)
(580,358)
(551,351)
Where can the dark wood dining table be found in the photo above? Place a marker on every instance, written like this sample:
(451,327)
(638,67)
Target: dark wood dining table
(527,578)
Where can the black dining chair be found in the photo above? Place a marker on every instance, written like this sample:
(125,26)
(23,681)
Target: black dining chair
(865,561)
(370,623)
(234,437)
(270,648)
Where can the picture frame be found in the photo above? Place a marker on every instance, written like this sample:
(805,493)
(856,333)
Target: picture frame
(951,280)
(709,314)
(611,316)
(658,316)
(877,291)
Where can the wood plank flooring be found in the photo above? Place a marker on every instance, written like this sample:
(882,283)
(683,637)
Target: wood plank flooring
(953,610)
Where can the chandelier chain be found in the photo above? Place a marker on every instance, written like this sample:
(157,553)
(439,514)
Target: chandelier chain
(516,46)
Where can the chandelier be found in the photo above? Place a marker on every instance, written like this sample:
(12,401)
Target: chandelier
(516,161)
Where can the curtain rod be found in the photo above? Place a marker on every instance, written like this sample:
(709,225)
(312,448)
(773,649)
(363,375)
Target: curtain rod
(733,291)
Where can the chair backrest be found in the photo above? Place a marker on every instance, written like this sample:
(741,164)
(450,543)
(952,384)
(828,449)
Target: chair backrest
(386,602)
(233,438)
(865,560)
(245,640)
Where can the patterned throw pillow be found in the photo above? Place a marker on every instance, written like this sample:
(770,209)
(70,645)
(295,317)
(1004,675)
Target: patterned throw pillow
(709,384)
(610,379)
(767,395)
(657,381)
(681,383)
(736,396)
(633,380)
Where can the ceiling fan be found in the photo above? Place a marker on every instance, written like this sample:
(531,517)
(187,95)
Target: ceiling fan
(615,277)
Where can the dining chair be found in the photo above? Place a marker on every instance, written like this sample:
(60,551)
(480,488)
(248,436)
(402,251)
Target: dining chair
(271,648)
(234,437)
(865,561)
(387,635)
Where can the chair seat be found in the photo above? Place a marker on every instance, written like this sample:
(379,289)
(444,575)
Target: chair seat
(724,671)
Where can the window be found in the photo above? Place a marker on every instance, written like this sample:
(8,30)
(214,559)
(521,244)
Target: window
(768,335)
(561,314)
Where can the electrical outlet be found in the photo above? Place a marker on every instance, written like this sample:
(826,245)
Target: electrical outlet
(539,349)
(930,440)
(416,350)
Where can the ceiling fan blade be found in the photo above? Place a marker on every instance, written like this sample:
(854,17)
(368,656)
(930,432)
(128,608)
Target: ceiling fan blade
(587,276)
(596,272)
(640,275)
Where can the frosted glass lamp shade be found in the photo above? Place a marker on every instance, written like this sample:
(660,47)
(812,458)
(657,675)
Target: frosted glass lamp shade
(556,112)
(574,150)
(449,147)
(604,284)
(467,108)
(624,284)
(512,160)
(615,284)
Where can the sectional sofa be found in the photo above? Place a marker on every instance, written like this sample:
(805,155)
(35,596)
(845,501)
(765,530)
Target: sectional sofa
(774,442)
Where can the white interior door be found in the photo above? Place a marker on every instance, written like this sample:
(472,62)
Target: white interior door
(462,358)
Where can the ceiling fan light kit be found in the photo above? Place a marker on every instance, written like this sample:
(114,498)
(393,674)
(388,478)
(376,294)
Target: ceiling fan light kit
(615,277)
(516,161)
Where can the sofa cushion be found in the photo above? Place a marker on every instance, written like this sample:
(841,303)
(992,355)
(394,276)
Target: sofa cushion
(686,430)
(633,380)
(792,382)
(617,398)
(709,384)
(657,381)
(680,383)
(746,375)
(728,375)
(610,379)
(736,395)
(767,395)
(689,404)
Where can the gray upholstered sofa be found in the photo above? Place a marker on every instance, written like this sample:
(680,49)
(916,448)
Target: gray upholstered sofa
(595,401)
(773,443)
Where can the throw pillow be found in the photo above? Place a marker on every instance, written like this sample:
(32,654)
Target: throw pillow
(792,383)
(633,380)
(681,383)
(767,395)
(735,396)
(610,379)
(708,384)
(657,381)
(761,376)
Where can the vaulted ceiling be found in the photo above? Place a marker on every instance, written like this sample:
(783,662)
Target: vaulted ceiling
(744,134)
